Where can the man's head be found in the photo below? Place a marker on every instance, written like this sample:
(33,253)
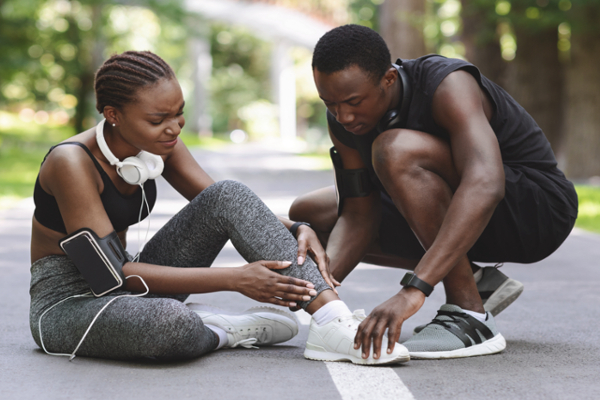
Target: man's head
(349,45)
(354,77)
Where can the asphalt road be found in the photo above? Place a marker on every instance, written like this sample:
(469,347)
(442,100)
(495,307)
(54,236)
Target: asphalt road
(552,331)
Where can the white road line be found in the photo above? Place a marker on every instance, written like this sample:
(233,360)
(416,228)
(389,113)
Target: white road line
(356,382)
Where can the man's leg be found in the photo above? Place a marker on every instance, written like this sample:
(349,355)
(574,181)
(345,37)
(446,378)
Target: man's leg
(418,172)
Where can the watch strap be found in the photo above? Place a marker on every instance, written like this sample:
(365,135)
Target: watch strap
(411,279)
(295,226)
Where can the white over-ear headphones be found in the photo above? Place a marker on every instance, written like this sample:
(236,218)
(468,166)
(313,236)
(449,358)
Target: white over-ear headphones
(134,170)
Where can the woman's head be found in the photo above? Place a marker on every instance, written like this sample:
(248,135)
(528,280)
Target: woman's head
(120,77)
(141,100)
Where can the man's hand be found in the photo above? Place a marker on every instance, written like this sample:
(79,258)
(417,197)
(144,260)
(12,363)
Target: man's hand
(308,243)
(391,314)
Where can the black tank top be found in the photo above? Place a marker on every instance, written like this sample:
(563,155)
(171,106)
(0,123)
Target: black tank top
(123,211)
(523,145)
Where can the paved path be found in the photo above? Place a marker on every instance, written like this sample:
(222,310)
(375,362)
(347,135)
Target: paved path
(552,330)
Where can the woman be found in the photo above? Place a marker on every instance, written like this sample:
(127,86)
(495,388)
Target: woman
(78,187)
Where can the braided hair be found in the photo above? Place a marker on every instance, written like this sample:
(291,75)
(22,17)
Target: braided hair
(349,45)
(122,75)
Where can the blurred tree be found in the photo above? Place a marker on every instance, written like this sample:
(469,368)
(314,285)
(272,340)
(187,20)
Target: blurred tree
(555,76)
(401,23)
(480,37)
(582,100)
(536,78)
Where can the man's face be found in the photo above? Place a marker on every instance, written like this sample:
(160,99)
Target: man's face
(354,99)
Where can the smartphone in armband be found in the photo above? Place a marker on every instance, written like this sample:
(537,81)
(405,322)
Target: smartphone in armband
(99,260)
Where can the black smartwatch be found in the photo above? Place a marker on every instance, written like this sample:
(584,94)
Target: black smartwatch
(411,279)
(294,228)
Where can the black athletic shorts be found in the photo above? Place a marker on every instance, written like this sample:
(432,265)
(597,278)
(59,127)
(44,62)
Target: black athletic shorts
(527,226)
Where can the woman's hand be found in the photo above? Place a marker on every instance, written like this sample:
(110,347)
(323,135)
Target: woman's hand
(257,281)
(309,243)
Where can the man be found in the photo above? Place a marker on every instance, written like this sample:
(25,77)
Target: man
(436,166)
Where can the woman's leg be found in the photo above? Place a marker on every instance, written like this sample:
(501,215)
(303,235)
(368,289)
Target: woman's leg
(129,328)
(228,210)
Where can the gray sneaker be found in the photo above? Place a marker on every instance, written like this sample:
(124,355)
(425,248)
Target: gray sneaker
(454,334)
(497,290)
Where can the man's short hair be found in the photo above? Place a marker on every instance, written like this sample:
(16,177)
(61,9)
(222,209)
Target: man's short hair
(349,45)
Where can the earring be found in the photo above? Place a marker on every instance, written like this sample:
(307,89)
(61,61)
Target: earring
(114,124)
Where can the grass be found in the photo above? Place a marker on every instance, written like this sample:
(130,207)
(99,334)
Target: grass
(589,208)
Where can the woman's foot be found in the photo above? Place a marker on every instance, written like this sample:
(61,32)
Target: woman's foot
(334,341)
(257,326)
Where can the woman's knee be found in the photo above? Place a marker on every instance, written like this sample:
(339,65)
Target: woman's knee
(218,189)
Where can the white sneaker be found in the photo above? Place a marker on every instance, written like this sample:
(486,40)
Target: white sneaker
(334,341)
(260,326)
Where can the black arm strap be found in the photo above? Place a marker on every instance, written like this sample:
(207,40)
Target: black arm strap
(100,260)
(349,182)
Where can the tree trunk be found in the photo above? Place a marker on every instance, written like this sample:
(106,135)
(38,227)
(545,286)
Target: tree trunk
(401,25)
(582,116)
(482,46)
(536,81)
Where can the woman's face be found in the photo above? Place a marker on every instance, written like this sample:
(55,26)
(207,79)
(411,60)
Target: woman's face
(153,122)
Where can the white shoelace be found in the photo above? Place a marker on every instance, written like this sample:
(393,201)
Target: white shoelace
(246,343)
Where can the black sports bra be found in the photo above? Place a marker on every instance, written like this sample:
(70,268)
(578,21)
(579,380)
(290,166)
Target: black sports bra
(123,211)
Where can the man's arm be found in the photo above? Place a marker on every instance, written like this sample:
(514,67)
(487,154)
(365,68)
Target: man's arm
(459,106)
(357,226)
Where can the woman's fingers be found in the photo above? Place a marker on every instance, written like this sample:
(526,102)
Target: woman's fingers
(276,264)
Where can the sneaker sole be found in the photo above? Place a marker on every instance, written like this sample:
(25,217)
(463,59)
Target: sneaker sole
(504,296)
(324,355)
(491,346)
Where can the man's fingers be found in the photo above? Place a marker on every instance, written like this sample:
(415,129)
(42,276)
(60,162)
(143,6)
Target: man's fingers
(301,251)
(377,337)
(363,336)
(394,331)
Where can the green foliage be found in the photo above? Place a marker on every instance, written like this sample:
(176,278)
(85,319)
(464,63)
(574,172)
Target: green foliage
(365,12)
(589,207)
(51,49)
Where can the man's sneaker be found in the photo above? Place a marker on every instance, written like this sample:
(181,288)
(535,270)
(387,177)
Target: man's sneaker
(334,341)
(497,290)
(453,334)
(260,326)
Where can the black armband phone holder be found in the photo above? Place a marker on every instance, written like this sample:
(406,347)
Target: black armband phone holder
(100,260)
(349,182)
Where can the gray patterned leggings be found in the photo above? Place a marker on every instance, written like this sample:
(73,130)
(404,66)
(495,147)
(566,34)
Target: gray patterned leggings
(156,326)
